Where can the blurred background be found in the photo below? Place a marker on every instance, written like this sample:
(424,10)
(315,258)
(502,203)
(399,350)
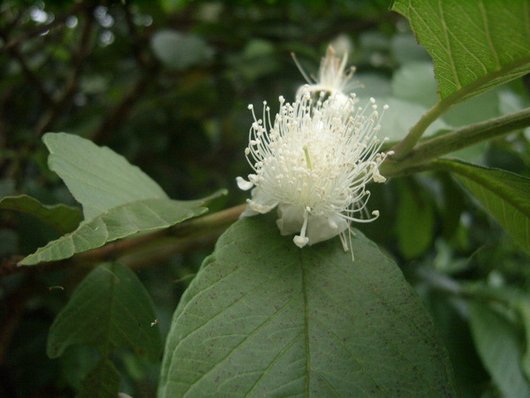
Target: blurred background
(166,84)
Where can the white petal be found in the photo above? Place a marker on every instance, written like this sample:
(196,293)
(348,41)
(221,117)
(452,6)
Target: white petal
(243,184)
(261,202)
(248,212)
(323,228)
(290,219)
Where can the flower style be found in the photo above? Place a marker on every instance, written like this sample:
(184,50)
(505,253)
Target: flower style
(313,163)
(333,78)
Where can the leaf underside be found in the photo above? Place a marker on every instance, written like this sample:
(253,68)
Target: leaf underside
(504,195)
(97,177)
(127,220)
(265,318)
(499,346)
(119,200)
(109,309)
(60,217)
(102,382)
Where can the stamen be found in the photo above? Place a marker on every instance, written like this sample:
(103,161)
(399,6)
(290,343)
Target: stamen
(307,158)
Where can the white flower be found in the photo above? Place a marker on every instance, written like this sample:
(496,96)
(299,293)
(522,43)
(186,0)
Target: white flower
(313,163)
(333,78)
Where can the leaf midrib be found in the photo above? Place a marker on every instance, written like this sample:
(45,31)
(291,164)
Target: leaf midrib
(306,326)
(465,91)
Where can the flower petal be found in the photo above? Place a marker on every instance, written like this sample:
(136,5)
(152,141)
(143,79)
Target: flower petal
(261,202)
(243,184)
(320,228)
(290,219)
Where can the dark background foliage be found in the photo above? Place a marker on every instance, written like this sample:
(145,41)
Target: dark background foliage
(166,84)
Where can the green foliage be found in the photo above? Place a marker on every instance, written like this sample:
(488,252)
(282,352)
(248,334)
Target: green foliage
(118,199)
(109,309)
(415,221)
(103,381)
(500,347)
(97,177)
(130,219)
(180,51)
(60,217)
(475,45)
(166,84)
(263,316)
(504,195)
(523,307)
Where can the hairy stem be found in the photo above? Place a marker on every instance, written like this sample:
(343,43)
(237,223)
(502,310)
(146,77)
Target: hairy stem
(469,135)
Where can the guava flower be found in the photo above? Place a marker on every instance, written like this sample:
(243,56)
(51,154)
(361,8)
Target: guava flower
(333,77)
(313,163)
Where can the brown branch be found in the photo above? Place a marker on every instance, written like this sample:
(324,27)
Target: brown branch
(184,235)
(57,23)
(71,84)
(137,41)
(122,110)
(26,70)
(156,254)
(149,67)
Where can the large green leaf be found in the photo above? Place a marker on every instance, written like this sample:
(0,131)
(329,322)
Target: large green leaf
(263,318)
(119,222)
(110,308)
(500,348)
(97,177)
(102,382)
(505,195)
(475,44)
(60,217)
(118,199)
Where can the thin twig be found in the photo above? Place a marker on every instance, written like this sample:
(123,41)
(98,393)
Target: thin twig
(137,41)
(32,77)
(146,64)
(207,228)
(71,85)
(121,111)
(57,23)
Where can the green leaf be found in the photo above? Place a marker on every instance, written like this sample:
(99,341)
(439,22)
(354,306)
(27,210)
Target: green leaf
(109,309)
(264,317)
(97,177)
(102,382)
(414,82)
(523,308)
(129,219)
(500,348)
(118,199)
(453,326)
(180,50)
(415,221)
(475,44)
(505,195)
(60,217)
